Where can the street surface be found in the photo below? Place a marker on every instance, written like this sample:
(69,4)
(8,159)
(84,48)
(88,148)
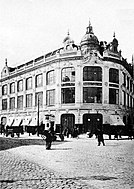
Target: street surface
(75,164)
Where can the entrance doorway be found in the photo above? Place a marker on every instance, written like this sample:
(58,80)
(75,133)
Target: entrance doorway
(92,122)
(67,122)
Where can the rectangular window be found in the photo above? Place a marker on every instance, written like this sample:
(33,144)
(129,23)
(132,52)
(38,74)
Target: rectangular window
(50,77)
(113,75)
(113,96)
(29,100)
(131,101)
(4,104)
(39,99)
(39,80)
(68,95)
(127,82)
(124,96)
(12,103)
(92,95)
(124,79)
(4,90)
(92,73)
(68,74)
(20,86)
(127,100)
(29,83)
(50,95)
(12,88)
(20,102)
(131,85)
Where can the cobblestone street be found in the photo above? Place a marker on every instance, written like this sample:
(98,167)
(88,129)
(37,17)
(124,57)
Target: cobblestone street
(76,163)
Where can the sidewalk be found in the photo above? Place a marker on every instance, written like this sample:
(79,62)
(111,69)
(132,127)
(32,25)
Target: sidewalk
(109,166)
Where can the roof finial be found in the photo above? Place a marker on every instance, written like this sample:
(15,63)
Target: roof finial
(114,34)
(6,61)
(132,59)
(89,28)
(68,32)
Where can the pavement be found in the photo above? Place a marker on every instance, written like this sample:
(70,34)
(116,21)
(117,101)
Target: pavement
(75,164)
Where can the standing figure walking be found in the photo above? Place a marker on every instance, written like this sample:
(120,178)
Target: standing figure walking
(100,137)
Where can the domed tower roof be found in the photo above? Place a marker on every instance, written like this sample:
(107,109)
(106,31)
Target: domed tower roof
(68,42)
(68,39)
(89,39)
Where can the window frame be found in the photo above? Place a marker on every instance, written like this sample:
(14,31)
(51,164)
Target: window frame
(92,73)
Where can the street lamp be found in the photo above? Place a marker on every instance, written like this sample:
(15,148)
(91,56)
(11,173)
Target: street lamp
(38,113)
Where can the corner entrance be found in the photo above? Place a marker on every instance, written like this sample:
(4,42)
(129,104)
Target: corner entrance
(92,122)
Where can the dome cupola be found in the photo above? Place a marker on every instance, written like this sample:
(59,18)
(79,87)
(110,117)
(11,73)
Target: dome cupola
(89,40)
(68,42)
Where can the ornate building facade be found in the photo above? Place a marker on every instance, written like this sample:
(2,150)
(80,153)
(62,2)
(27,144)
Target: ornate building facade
(87,85)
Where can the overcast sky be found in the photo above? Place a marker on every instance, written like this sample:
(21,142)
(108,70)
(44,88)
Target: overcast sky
(31,28)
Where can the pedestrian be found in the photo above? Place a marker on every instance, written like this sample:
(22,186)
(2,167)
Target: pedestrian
(49,139)
(100,137)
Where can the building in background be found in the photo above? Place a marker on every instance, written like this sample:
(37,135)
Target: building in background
(88,86)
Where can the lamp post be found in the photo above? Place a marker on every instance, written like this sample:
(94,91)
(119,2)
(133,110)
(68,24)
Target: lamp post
(38,113)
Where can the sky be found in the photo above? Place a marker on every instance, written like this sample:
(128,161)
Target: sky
(32,28)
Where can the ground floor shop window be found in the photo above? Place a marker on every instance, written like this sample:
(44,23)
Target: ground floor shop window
(68,95)
(92,95)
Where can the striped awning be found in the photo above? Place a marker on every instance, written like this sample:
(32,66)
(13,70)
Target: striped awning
(17,121)
(26,121)
(34,121)
(116,120)
(10,121)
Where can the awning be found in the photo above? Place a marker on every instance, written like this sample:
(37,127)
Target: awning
(34,121)
(116,120)
(26,121)
(10,121)
(17,121)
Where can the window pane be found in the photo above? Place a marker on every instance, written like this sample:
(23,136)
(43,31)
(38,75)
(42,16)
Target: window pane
(20,86)
(113,96)
(50,77)
(92,73)
(29,83)
(29,100)
(68,75)
(92,95)
(4,89)
(12,88)
(68,95)
(4,104)
(12,103)
(20,102)
(39,99)
(50,97)
(113,75)
(39,80)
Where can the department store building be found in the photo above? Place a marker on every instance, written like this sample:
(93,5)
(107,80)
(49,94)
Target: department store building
(84,85)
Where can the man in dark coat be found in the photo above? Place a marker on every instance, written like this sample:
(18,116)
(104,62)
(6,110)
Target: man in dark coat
(100,137)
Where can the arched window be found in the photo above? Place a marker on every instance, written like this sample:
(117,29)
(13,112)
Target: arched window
(113,75)
(50,77)
(38,80)
(29,83)
(92,73)
(20,86)
(4,89)
(68,74)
